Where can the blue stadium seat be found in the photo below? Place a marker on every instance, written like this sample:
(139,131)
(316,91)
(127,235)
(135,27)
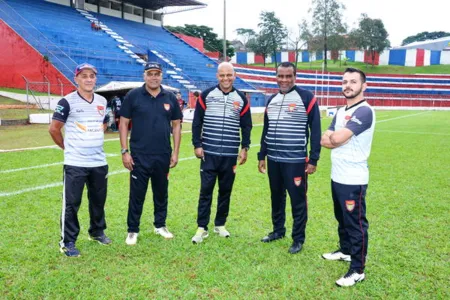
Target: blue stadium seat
(65,36)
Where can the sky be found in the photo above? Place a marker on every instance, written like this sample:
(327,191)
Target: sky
(401,18)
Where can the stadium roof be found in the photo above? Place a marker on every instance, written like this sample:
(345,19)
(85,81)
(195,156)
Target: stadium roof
(437,44)
(158,4)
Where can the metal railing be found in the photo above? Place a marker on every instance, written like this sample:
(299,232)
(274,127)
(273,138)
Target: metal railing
(35,38)
(33,87)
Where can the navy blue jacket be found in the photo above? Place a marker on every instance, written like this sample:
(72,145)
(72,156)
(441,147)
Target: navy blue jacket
(217,119)
(290,121)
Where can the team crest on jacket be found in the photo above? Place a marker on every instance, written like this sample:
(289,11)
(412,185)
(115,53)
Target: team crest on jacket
(346,119)
(236,105)
(101,110)
(291,107)
(167,106)
(297,181)
(350,205)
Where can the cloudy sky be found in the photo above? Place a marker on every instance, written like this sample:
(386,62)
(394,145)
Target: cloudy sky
(400,17)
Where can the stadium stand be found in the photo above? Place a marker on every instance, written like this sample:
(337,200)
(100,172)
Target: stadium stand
(413,91)
(184,62)
(64,35)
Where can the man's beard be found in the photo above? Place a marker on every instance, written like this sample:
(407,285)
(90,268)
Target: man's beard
(352,95)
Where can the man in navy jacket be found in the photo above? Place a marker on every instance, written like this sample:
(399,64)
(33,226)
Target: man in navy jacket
(221,114)
(291,119)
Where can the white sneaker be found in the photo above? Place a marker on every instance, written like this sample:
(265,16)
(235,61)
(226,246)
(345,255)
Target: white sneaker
(200,235)
(221,231)
(162,231)
(351,278)
(337,255)
(131,238)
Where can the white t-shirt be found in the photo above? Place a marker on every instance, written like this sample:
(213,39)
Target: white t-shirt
(349,161)
(83,141)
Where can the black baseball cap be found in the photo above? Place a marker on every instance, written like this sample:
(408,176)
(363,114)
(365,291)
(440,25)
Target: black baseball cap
(153,66)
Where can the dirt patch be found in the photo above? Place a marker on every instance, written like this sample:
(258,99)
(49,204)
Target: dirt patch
(14,122)
(17,106)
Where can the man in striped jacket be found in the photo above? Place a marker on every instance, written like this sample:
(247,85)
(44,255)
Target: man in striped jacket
(291,119)
(221,113)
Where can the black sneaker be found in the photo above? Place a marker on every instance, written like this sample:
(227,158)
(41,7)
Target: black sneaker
(70,250)
(272,237)
(102,239)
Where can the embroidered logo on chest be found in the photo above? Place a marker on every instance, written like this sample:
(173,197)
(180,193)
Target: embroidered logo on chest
(292,107)
(167,106)
(236,105)
(346,119)
(101,110)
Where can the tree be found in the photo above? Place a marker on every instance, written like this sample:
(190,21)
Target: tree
(371,36)
(295,40)
(423,36)
(260,45)
(245,34)
(210,39)
(336,42)
(312,44)
(273,30)
(327,21)
(303,36)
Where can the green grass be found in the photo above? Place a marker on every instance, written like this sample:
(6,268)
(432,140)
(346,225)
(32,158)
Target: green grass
(16,113)
(21,91)
(407,205)
(9,101)
(339,67)
(19,113)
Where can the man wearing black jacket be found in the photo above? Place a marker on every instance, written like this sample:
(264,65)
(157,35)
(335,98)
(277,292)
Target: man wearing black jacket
(221,113)
(289,113)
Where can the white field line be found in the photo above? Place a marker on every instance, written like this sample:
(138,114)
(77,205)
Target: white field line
(402,117)
(56,147)
(55,184)
(30,168)
(31,148)
(44,165)
(32,189)
(413,132)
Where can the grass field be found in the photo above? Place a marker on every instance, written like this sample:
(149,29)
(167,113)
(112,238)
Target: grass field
(21,91)
(407,207)
(340,67)
(17,113)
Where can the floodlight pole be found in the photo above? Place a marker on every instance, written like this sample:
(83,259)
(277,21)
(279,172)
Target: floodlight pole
(224,30)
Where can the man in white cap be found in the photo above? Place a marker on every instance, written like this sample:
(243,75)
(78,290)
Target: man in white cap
(82,113)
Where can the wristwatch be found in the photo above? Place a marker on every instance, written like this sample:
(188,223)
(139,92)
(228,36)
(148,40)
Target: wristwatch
(123,151)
